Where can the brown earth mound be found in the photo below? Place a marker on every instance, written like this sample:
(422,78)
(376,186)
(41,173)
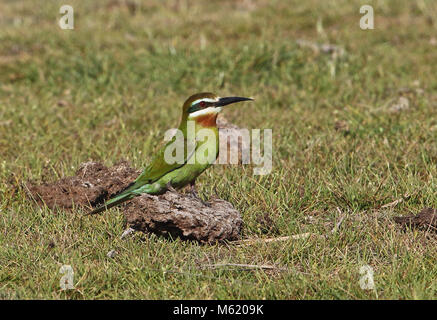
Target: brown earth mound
(171,214)
(178,215)
(424,220)
(93,184)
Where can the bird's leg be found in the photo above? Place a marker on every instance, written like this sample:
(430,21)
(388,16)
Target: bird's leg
(193,190)
(195,195)
(170,187)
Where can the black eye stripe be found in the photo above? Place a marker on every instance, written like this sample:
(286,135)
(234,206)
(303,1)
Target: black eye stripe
(199,106)
(194,108)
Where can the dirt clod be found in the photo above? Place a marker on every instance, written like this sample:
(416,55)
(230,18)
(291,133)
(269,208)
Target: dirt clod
(171,214)
(92,184)
(178,215)
(424,220)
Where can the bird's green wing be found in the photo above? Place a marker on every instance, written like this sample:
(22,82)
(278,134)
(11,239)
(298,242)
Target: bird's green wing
(159,167)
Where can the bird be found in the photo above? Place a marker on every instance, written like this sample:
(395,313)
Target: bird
(161,175)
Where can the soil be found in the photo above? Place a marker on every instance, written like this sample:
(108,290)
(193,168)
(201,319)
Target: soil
(92,184)
(424,220)
(171,214)
(178,215)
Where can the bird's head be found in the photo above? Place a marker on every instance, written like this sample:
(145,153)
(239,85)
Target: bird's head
(204,107)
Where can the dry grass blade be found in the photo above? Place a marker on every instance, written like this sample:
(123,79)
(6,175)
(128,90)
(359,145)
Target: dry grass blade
(244,266)
(268,240)
(397,201)
(338,224)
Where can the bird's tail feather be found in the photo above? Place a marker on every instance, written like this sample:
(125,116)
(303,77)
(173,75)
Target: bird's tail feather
(111,203)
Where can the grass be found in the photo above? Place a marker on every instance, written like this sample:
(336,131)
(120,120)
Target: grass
(110,88)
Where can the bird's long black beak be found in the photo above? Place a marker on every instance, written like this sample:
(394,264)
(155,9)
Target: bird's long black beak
(228,100)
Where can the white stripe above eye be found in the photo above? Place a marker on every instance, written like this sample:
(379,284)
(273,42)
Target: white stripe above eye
(209,110)
(205,100)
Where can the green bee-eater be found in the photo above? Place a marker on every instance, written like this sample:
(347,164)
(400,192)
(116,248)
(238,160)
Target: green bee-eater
(161,175)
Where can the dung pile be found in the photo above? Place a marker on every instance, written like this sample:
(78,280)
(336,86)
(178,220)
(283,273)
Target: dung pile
(170,214)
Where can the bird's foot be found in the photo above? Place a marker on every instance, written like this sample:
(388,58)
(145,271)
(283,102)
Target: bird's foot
(196,196)
(205,203)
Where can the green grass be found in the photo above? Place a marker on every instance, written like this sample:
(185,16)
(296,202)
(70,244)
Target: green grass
(110,88)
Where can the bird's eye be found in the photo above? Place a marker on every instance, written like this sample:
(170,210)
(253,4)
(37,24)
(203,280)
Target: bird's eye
(202,104)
